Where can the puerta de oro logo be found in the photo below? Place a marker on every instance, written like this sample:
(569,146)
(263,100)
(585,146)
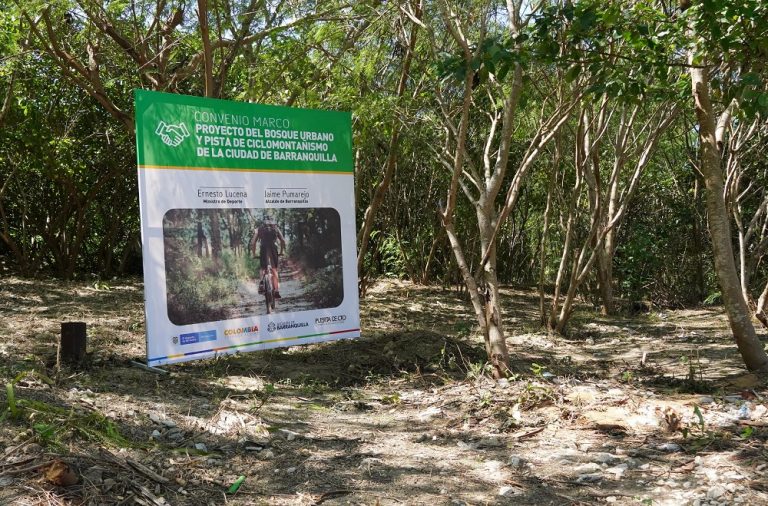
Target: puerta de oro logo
(330,320)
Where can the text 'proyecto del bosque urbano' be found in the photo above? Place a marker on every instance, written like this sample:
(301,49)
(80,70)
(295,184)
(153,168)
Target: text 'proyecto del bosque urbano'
(242,142)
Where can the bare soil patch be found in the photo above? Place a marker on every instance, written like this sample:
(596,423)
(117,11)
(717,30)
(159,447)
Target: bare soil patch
(654,409)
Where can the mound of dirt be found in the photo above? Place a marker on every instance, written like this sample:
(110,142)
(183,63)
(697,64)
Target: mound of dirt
(351,361)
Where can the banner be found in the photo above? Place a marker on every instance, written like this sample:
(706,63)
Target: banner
(248,226)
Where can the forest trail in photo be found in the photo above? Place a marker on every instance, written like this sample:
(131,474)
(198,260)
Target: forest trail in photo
(293,298)
(213,270)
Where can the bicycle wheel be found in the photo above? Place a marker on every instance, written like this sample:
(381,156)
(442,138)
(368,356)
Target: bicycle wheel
(269,298)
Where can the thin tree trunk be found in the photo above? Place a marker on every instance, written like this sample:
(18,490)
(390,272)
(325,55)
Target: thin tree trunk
(430,257)
(391,162)
(605,281)
(495,341)
(762,305)
(8,100)
(552,323)
(215,236)
(570,297)
(698,248)
(743,267)
(739,318)
(202,14)
(133,245)
(200,239)
(545,234)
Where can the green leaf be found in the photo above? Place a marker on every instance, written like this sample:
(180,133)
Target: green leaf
(11,399)
(572,73)
(610,16)
(503,71)
(586,19)
(44,430)
(697,412)
(751,79)
(750,95)
(747,432)
(483,74)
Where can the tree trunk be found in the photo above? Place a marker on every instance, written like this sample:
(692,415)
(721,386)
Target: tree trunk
(605,280)
(430,257)
(743,267)
(762,304)
(561,270)
(545,230)
(495,341)
(739,318)
(215,235)
(493,331)
(391,162)
(8,100)
(699,277)
(200,239)
(202,15)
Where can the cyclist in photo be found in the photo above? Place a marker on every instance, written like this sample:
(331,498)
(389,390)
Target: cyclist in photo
(267,235)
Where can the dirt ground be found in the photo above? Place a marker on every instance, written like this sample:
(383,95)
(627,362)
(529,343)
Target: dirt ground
(292,291)
(653,409)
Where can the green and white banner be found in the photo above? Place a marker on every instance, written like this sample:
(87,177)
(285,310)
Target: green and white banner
(248,226)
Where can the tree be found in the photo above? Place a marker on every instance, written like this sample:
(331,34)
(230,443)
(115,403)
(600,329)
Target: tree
(706,20)
(59,148)
(490,85)
(712,36)
(413,13)
(615,143)
(746,195)
(107,50)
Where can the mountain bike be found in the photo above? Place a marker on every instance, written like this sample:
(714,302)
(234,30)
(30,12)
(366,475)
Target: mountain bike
(269,289)
(266,286)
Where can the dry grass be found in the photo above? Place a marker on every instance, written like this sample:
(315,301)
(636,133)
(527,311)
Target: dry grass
(403,415)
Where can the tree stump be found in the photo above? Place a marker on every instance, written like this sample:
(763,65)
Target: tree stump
(73,342)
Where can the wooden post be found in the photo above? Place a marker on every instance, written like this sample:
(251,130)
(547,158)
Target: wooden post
(73,342)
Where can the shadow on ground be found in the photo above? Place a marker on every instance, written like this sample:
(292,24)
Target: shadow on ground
(406,414)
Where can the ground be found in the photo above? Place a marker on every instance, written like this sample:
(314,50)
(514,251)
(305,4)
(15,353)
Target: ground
(653,409)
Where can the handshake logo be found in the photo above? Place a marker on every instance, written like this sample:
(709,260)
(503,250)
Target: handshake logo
(172,135)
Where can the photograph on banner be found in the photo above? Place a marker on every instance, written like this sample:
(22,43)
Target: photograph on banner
(216,261)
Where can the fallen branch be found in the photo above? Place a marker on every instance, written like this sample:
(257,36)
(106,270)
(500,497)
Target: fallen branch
(149,496)
(685,467)
(524,434)
(13,449)
(331,495)
(23,470)
(18,462)
(146,471)
(596,493)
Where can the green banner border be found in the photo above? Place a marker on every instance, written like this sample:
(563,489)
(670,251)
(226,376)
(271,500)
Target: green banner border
(153,108)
